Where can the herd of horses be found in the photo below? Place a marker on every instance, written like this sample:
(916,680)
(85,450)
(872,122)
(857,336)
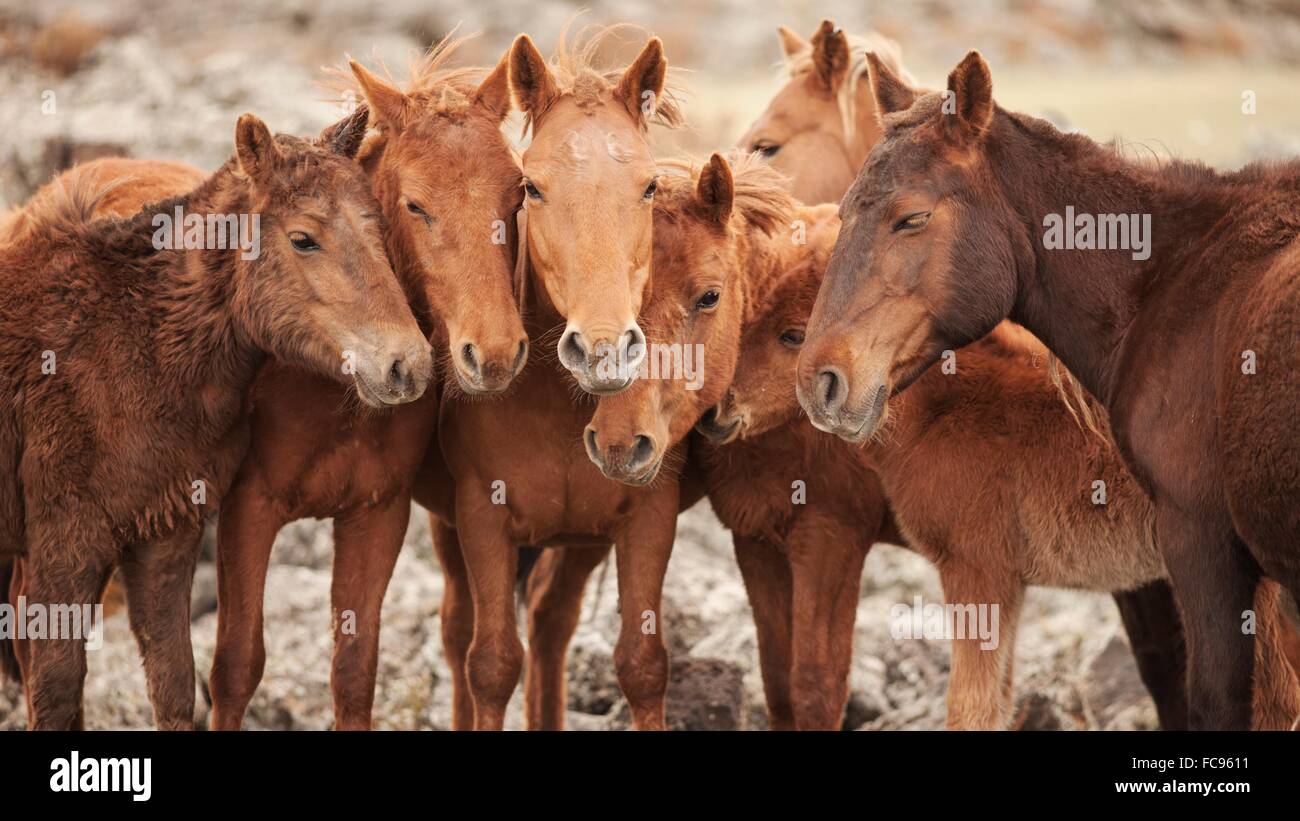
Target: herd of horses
(303,383)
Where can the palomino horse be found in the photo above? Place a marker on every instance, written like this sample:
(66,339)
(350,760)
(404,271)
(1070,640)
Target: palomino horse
(821,124)
(754,245)
(110,462)
(990,476)
(448,185)
(520,473)
(589,183)
(941,242)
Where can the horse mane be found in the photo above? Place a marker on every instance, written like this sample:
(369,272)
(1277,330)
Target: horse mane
(579,70)
(1083,407)
(846,98)
(438,87)
(70,205)
(762,197)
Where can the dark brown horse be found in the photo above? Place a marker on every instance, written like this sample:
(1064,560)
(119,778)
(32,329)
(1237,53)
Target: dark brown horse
(983,467)
(1174,300)
(819,128)
(127,350)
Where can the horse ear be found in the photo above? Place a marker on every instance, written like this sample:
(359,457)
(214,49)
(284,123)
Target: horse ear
(493,93)
(891,93)
(830,47)
(530,78)
(345,136)
(792,45)
(971,88)
(716,191)
(390,105)
(255,148)
(643,82)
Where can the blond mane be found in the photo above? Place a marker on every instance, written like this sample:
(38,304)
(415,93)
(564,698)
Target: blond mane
(578,66)
(1086,411)
(439,88)
(887,49)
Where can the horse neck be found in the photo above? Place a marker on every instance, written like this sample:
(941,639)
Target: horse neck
(1081,303)
(200,341)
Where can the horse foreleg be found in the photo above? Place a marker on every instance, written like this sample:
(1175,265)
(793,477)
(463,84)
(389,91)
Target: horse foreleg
(1214,580)
(640,656)
(158,577)
(979,682)
(245,534)
(766,574)
(366,546)
(555,589)
(496,655)
(825,566)
(54,672)
(1155,634)
(457,617)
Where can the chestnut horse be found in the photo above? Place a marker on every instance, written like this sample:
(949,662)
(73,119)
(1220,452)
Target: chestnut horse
(821,124)
(942,240)
(110,462)
(989,474)
(590,184)
(627,431)
(448,184)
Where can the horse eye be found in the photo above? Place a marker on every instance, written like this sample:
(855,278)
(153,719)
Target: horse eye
(792,338)
(767,149)
(415,209)
(531,190)
(709,300)
(650,190)
(913,221)
(303,242)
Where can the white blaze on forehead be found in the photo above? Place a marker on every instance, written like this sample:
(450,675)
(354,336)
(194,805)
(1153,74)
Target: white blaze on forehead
(617,149)
(574,146)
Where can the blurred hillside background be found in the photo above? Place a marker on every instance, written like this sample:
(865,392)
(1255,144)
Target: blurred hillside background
(167,79)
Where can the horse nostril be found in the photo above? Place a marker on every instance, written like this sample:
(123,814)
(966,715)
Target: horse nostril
(831,388)
(469,356)
(573,353)
(520,358)
(633,346)
(589,439)
(397,375)
(643,450)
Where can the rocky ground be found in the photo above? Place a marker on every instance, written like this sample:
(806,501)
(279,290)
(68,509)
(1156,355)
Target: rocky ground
(167,79)
(1073,670)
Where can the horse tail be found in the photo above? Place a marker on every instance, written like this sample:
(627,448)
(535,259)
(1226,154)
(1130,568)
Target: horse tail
(9,668)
